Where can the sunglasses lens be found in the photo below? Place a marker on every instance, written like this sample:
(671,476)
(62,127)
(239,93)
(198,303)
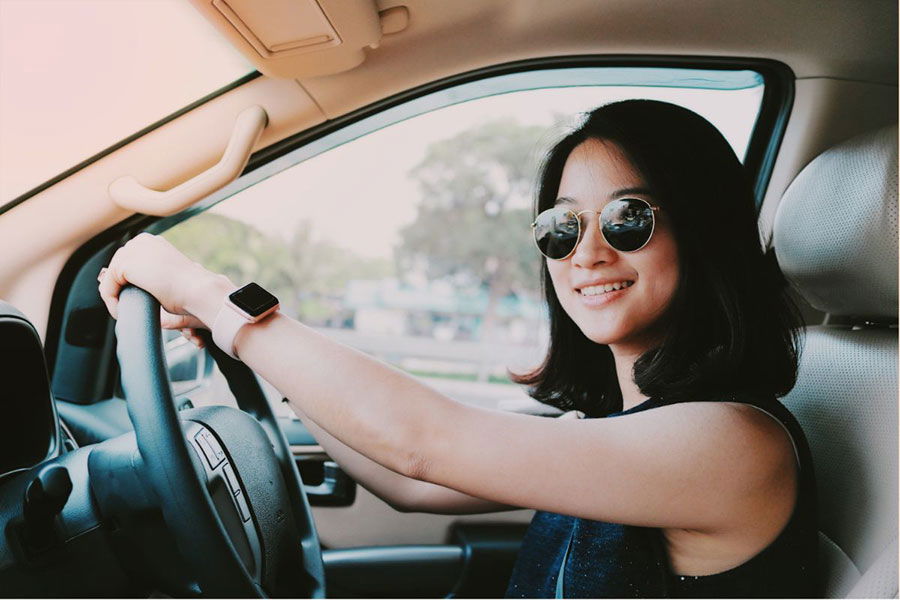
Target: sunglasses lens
(627,224)
(556,232)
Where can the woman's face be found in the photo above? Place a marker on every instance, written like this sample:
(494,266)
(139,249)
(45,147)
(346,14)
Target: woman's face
(628,319)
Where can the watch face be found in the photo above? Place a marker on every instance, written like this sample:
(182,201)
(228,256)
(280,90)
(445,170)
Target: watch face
(253,299)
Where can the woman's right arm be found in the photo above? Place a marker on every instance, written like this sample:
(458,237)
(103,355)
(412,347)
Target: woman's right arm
(401,493)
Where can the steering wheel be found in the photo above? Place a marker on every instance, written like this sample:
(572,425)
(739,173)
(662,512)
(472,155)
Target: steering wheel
(226,481)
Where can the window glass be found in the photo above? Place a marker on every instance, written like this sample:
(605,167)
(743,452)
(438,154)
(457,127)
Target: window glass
(77,76)
(409,237)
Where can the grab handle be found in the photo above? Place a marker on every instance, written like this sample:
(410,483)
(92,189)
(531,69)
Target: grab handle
(129,194)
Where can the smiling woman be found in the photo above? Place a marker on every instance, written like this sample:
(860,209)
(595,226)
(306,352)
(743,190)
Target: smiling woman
(390,216)
(629,487)
(386,204)
(691,311)
(727,305)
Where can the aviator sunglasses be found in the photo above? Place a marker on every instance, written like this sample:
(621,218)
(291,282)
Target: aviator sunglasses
(626,225)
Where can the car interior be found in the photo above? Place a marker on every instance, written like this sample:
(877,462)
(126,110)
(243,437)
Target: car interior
(315,146)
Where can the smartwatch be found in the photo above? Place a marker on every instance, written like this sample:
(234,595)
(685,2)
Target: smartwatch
(243,306)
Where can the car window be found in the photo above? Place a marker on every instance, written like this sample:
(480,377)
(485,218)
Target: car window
(408,236)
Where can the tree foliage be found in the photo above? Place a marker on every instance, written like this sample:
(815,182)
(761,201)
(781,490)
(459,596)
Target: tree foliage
(307,275)
(234,248)
(473,218)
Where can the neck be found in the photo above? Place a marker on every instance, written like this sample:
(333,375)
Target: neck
(624,358)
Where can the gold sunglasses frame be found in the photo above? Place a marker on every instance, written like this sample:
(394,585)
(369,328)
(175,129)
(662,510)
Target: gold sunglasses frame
(577,216)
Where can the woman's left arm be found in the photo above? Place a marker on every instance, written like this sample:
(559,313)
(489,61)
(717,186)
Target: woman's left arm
(692,465)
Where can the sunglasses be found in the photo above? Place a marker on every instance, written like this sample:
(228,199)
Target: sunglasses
(626,225)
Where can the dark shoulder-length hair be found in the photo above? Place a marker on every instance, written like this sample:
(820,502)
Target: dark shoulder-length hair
(730,326)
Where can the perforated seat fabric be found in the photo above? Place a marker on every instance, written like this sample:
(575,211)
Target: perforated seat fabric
(836,240)
(846,401)
(836,228)
(880,580)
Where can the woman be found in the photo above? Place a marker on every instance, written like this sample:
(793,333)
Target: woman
(665,315)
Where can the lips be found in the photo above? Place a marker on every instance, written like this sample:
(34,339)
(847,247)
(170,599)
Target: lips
(604,288)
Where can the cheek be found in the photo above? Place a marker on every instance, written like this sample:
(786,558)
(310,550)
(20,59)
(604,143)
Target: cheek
(557,270)
(664,266)
(664,289)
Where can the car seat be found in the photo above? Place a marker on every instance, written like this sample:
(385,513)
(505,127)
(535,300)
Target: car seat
(835,237)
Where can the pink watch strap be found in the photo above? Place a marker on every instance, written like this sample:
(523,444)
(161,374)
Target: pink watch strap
(225,328)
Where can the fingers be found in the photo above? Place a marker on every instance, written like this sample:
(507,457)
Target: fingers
(140,262)
(188,324)
(572,414)
(112,280)
(156,266)
(190,334)
(172,321)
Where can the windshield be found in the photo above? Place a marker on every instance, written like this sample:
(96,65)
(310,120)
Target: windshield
(77,76)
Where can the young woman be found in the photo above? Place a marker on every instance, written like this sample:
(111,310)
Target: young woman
(670,330)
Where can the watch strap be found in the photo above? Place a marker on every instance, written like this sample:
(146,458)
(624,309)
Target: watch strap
(225,328)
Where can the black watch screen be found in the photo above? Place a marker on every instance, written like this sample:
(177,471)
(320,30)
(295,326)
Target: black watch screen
(253,299)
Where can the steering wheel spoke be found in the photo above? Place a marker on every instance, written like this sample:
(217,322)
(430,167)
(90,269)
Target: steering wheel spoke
(228,498)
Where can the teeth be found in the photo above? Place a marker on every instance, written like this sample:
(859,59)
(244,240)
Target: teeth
(594,290)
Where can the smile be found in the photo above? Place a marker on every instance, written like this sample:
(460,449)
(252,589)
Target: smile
(596,290)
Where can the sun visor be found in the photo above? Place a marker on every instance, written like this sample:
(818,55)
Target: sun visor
(293,39)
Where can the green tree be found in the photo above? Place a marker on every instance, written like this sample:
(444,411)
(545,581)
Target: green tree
(473,218)
(234,248)
(321,270)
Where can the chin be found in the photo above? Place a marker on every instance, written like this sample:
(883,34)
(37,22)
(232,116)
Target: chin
(601,327)
(616,332)
(602,332)
(604,336)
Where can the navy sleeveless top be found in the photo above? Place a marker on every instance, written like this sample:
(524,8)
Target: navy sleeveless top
(568,557)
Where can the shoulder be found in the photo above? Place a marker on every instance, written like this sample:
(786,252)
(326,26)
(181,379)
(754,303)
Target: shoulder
(716,439)
(770,467)
(744,445)
(752,458)
(734,462)
(771,439)
(743,425)
(760,420)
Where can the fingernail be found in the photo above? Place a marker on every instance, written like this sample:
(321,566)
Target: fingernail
(101,274)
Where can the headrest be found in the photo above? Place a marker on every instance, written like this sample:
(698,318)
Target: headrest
(835,233)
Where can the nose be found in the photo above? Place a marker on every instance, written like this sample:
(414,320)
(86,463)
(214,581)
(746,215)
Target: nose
(592,250)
